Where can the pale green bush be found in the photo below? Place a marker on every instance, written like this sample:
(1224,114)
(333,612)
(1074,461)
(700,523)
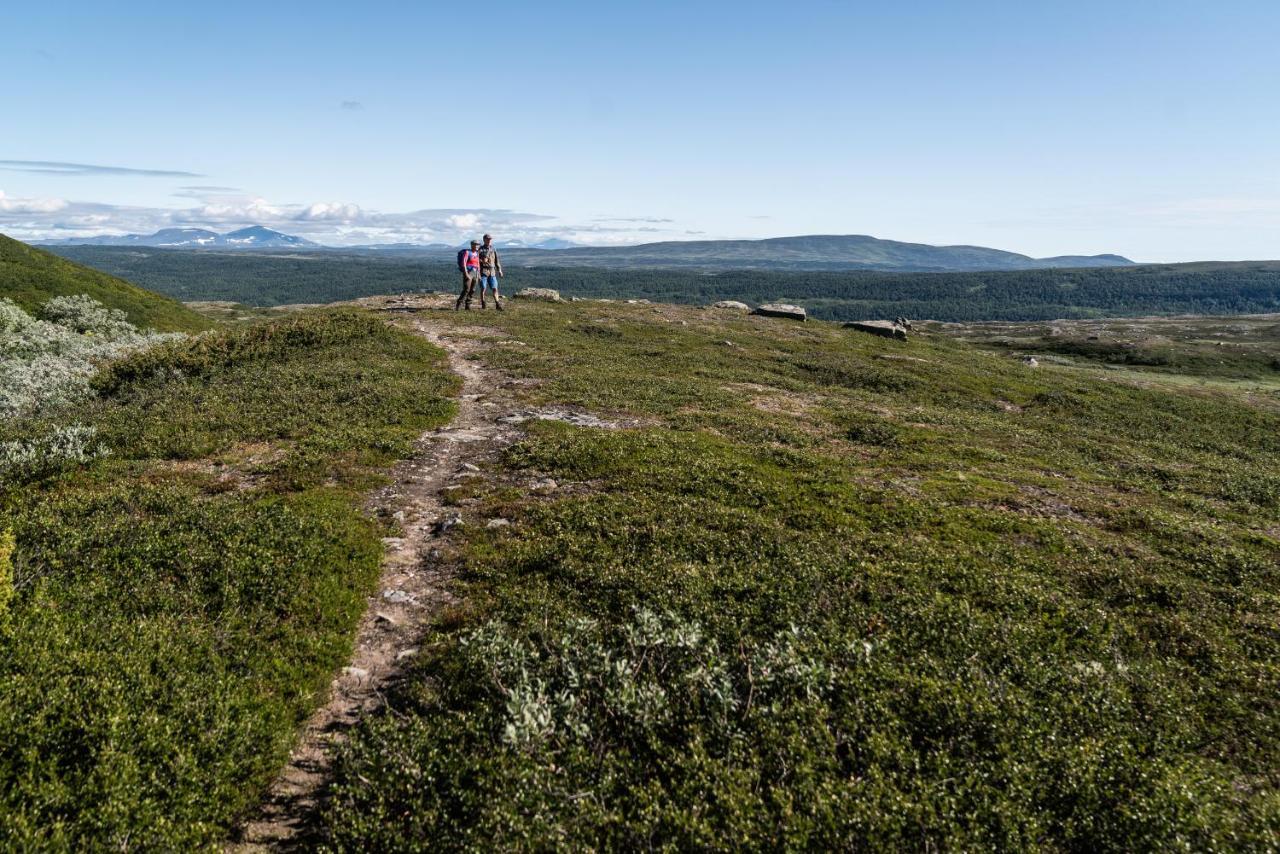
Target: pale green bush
(46,362)
(27,459)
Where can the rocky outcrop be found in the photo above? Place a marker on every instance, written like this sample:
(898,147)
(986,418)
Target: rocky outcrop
(733,304)
(883,328)
(777,309)
(547,294)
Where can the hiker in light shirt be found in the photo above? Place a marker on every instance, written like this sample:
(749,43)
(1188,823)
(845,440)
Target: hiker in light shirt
(490,271)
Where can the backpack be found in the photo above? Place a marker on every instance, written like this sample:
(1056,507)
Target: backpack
(462,260)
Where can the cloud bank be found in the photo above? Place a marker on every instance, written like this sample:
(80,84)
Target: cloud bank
(333,223)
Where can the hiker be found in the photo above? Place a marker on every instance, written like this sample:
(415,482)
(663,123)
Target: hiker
(469,266)
(490,271)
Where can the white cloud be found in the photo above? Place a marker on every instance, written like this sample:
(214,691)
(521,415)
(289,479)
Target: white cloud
(329,212)
(464,220)
(238,210)
(11,205)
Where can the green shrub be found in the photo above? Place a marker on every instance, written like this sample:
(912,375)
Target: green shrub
(170,631)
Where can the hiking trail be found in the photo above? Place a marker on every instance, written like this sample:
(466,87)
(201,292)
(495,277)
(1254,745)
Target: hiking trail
(412,588)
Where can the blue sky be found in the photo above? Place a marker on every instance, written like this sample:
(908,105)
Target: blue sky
(1144,128)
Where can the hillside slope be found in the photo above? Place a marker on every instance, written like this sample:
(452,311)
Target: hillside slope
(30,276)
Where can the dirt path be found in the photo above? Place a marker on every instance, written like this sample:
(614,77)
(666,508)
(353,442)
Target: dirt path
(412,588)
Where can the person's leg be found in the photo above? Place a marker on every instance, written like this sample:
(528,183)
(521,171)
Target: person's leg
(497,301)
(471,289)
(484,289)
(462,294)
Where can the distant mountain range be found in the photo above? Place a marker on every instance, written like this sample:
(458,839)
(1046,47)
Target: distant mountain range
(809,252)
(253,237)
(806,252)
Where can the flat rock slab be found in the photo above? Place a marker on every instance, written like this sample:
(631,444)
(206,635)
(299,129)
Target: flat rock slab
(733,304)
(548,294)
(883,328)
(777,309)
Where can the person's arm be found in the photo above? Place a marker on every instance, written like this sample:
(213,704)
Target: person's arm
(497,263)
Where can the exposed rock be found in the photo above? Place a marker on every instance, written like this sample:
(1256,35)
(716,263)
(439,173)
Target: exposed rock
(778,309)
(545,485)
(497,523)
(904,323)
(355,673)
(396,597)
(579,419)
(883,328)
(733,304)
(548,294)
(1030,361)
(470,467)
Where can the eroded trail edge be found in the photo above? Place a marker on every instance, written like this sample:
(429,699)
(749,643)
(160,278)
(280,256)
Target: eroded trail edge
(412,588)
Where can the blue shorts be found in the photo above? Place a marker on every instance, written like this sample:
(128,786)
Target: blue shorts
(487,282)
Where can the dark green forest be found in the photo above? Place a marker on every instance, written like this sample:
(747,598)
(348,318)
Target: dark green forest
(277,279)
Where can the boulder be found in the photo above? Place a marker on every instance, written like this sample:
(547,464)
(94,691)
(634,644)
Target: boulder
(547,294)
(883,328)
(733,304)
(777,309)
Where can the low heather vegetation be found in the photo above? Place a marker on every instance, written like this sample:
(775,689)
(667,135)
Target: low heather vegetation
(182,561)
(840,592)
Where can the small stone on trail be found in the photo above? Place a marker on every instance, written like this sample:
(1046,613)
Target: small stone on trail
(405,653)
(451,522)
(356,673)
(471,467)
(387,618)
(396,597)
(545,485)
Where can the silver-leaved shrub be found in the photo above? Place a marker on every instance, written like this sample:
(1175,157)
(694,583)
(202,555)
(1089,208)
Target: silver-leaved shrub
(46,361)
(27,459)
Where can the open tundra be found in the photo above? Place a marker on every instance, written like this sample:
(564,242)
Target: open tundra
(676,577)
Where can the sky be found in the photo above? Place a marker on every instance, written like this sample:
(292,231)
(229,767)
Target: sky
(1148,129)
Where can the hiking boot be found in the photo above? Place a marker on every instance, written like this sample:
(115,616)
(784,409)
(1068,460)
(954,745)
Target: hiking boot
(497,304)
(457,305)
(482,305)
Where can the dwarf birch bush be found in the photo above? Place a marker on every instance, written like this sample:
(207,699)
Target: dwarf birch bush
(7,544)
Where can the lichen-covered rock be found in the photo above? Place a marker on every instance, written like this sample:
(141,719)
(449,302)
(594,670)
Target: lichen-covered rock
(883,328)
(547,294)
(733,304)
(777,309)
